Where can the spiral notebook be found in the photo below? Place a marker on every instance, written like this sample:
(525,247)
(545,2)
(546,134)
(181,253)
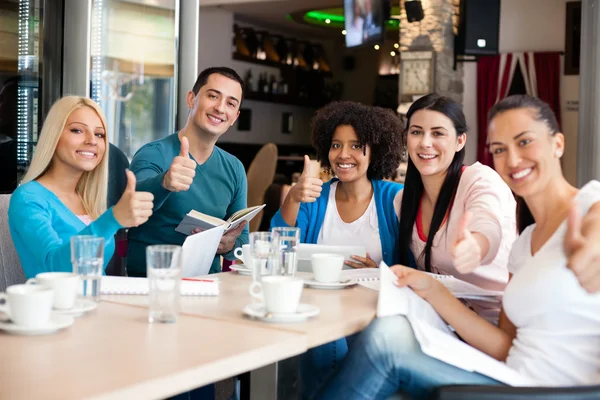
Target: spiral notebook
(369,277)
(139,286)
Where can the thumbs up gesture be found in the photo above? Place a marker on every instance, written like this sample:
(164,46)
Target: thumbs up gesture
(181,173)
(466,252)
(134,208)
(583,255)
(307,189)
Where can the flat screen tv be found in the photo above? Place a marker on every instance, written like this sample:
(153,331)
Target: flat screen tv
(364,21)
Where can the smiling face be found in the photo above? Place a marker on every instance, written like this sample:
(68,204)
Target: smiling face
(348,159)
(216,107)
(526,154)
(82,143)
(432,142)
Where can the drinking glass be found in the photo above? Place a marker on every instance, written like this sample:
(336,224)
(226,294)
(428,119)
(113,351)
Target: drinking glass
(286,241)
(163,263)
(87,257)
(264,261)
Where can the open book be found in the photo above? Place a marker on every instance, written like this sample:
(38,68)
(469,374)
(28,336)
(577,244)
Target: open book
(197,220)
(435,337)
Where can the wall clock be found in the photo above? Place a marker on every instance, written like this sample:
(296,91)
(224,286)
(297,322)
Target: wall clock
(416,72)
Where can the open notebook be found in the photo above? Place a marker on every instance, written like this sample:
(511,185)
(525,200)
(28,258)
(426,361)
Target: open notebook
(369,277)
(433,334)
(125,285)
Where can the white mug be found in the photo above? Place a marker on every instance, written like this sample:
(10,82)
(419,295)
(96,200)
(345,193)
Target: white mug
(64,285)
(280,294)
(327,268)
(244,255)
(28,305)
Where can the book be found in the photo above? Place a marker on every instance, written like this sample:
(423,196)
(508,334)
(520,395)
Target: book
(139,286)
(435,337)
(197,220)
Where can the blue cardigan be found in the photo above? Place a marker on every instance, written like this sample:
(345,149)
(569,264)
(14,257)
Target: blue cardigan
(41,227)
(311,215)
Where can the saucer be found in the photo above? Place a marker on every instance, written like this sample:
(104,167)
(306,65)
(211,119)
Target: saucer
(241,269)
(344,283)
(80,307)
(56,322)
(303,312)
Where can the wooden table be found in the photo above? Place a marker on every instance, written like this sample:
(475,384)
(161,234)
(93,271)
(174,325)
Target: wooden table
(343,312)
(114,353)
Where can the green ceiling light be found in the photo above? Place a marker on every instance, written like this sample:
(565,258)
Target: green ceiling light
(334,18)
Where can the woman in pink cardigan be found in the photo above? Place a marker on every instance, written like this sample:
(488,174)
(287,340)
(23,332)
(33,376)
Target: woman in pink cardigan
(456,220)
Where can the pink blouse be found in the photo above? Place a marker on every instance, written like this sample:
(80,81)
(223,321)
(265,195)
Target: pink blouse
(493,209)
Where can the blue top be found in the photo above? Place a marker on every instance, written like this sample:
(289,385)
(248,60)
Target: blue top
(311,215)
(219,189)
(41,227)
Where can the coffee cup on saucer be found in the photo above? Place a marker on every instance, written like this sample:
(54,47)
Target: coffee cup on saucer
(28,305)
(64,285)
(327,268)
(280,294)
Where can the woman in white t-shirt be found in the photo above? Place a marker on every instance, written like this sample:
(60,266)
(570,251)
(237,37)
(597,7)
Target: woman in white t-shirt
(550,331)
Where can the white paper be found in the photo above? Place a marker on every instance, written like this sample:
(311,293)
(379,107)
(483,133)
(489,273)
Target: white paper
(361,274)
(434,336)
(139,286)
(466,290)
(199,251)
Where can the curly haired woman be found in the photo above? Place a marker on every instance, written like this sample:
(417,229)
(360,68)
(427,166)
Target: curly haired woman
(361,146)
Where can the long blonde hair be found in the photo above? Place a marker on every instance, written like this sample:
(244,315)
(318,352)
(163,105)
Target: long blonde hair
(92,186)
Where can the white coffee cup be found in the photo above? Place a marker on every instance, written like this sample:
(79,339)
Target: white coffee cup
(244,255)
(64,285)
(280,294)
(327,268)
(28,305)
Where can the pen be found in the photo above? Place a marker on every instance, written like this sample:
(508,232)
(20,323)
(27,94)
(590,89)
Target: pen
(199,280)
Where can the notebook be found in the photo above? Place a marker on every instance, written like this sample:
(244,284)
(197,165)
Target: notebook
(369,277)
(435,337)
(125,285)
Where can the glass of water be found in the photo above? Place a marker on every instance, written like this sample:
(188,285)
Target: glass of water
(163,263)
(264,262)
(285,243)
(87,257)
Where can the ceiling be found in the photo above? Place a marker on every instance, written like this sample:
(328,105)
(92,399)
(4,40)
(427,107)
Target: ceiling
(274,14)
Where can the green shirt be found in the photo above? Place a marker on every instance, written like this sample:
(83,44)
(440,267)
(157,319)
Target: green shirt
(219,189)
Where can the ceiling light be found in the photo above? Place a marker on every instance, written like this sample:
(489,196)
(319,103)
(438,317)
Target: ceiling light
(376,47)
(344,32)
(327,21)
(392,53)
(396,45)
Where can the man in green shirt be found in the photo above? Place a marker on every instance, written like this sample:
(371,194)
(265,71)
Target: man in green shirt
(187,171)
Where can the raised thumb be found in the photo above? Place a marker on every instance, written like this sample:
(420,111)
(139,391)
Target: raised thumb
(573,236)
(463,225)
(306,169)
(130,181)
(185,147)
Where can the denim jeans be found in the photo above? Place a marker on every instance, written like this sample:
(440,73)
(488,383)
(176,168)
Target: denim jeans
(386,358)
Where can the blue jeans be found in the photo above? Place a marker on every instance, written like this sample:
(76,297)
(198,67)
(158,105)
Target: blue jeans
(386,358)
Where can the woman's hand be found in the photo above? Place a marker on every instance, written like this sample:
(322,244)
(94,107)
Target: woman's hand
(134,208)
(420,282)
(466,252)
(363,262)
(581,247)
(307,189)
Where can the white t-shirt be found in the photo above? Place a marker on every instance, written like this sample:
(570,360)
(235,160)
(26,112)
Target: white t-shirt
(362,232)
(557,321)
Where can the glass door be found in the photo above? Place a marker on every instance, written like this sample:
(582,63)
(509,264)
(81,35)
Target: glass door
(30,79)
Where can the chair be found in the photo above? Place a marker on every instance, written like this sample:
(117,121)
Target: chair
(260,176)
(474,392)
(11,272)
(117,182)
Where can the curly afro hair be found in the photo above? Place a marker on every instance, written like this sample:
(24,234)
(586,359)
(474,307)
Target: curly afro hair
(376,127)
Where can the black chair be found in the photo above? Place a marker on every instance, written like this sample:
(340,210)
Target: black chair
(474,392)
(117,182)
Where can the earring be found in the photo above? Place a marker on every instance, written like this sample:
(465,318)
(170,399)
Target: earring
(558,153)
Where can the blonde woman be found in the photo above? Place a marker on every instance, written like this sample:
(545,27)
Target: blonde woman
(64,191)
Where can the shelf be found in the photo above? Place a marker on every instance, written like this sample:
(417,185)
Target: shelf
(281,99)
(269,63)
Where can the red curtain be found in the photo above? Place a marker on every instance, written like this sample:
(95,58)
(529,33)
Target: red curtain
(547,71)
(488,69)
